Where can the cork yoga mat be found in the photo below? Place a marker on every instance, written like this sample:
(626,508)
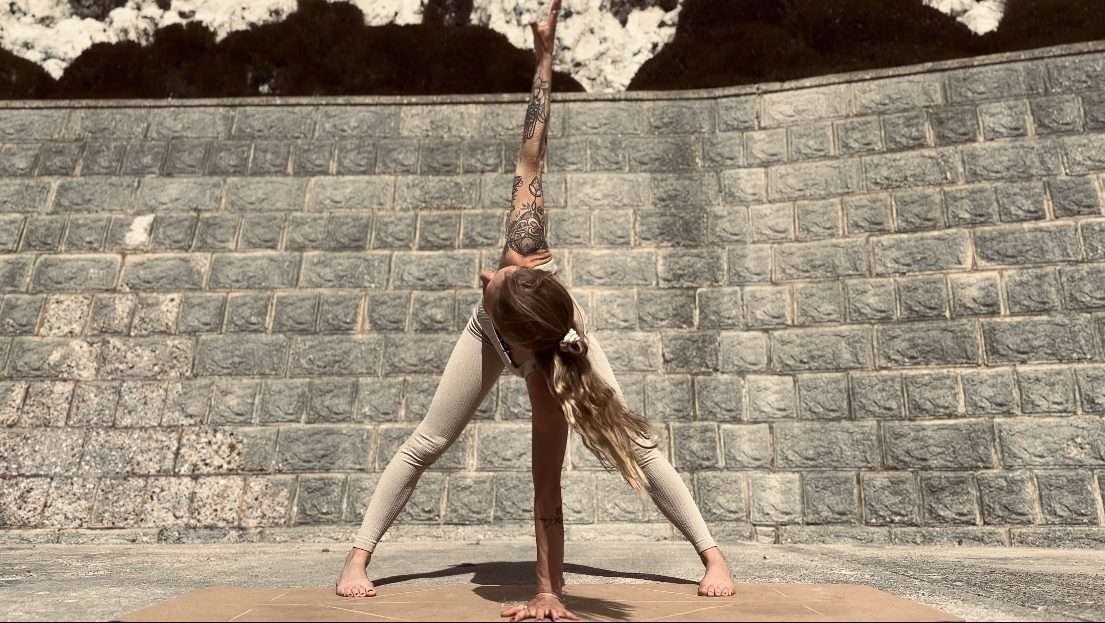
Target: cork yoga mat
(592,602)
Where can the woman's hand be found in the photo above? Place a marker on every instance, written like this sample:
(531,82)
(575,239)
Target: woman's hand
(541,606)
(544,32)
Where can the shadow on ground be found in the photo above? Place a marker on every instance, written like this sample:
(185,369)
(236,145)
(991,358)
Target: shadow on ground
(520,573)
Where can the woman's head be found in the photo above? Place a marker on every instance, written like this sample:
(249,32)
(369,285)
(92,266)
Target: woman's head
(532,309)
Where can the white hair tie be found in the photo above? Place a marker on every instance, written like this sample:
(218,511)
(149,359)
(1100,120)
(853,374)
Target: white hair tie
(571,337)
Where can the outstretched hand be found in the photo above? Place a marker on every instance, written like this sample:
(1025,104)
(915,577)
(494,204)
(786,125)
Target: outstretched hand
(544,31)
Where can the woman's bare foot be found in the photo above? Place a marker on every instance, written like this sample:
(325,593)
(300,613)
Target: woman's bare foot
(353,581)
(717,581)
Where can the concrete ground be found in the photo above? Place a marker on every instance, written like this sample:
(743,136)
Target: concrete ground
(101,582)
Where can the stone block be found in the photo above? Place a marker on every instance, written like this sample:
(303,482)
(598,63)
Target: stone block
(823,396)
(934,343)
(795,106)
(919,209)
(810,141)
(870,299)
(717,397)
(743,186)
(722,496)
(830,497)
(1007,497)
(772,222)
(324,448)
(908,253)
(859,135)
(738,113)
(815,180)
(835,348)
(939,444)
(1046,389)
(1005,119)
(1074,196)
(469,499)
(775,498)
(876,395)
(949,499)
(1032,339)
(771,397)
(665,227)
(749,263)
(690,352)
(975,294)
(53,358)
(138,451)
(746,446)
(890,498)
(1067,497)
(1052,441)
(931,394)
(242,355)
(1056,114)
(906,130)
(69,272)
(923,167)
(868,214)
(503,446)
(742,351)
(601,268)
(818,219)
(767,306)
(1005,161)
(994,82)
(922,297)
(695,445)
(820,260)
(988,391)
(319,499)
(720,308)
(827,444)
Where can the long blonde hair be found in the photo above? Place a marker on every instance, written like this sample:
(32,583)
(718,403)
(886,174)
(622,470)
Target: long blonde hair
(535,310)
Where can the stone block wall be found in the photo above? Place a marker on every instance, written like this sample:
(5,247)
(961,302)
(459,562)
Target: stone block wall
(867,307)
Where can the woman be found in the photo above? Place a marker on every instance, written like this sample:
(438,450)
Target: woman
(529,323)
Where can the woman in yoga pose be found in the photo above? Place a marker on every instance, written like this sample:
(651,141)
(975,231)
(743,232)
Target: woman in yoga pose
(528,322)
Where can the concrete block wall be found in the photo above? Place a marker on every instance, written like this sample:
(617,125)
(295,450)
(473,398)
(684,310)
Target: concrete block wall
(866,307)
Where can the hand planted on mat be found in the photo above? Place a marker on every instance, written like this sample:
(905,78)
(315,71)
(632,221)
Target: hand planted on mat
(540,607)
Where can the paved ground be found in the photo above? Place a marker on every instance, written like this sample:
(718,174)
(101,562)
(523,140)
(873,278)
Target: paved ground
(99,582)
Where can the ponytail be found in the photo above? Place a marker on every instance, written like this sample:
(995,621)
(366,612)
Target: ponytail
(605,424)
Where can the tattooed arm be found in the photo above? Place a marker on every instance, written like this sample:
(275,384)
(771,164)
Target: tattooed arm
(526,224)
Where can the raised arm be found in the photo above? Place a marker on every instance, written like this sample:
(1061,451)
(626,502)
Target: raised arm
(526,242)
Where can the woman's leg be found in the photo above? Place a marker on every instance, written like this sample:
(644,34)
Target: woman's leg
(666,488)
(472,370)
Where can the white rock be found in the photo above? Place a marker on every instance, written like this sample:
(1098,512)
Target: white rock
(592,45)
(985,17)
(981,16)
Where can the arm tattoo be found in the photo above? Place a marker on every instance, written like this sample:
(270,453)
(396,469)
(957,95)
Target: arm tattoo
(525,228)
(538,109)
(515,187)
(534,186)
(557,519)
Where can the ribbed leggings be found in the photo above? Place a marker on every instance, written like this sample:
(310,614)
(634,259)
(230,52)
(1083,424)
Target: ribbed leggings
(471,371)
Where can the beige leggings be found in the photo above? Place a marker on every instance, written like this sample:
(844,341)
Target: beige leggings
(472,370)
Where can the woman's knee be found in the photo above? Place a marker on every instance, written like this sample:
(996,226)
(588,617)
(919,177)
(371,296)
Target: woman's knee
(421,449)
(647,450)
